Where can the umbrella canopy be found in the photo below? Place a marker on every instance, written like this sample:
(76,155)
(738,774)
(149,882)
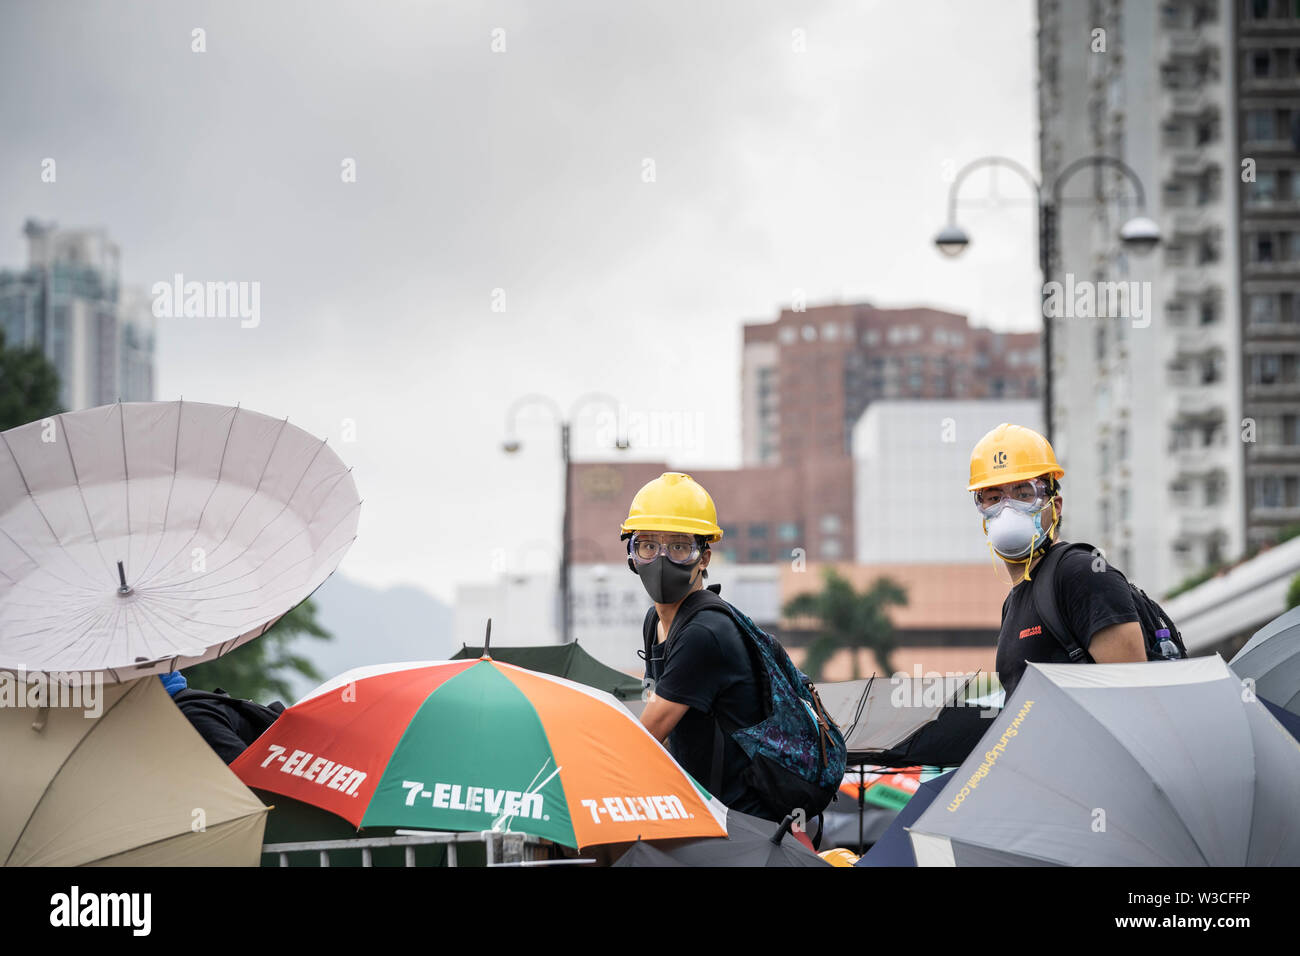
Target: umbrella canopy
(904,721)
(120,788)
(1271,658)
(563,660)
(894,847)
(139,538)
(479,745)
(1158,763)
(750,841)
(943,742)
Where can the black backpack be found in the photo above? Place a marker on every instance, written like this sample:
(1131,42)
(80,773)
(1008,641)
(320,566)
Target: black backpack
(1151,615)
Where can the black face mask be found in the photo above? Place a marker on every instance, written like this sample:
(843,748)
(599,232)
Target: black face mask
(665,582)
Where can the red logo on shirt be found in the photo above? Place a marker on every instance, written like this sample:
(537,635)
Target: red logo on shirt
(1031,631)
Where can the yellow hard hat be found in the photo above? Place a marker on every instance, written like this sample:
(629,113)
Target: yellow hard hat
(839,856)
(673,502)
(1011,453)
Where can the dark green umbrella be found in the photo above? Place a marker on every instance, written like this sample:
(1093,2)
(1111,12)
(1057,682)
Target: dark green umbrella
(563,660)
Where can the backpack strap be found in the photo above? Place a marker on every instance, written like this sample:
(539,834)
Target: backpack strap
(695,602)
(1043,593)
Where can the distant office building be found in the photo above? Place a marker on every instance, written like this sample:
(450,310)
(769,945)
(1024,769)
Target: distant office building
(67,303)
(807,377)
(524,609)
(911,462)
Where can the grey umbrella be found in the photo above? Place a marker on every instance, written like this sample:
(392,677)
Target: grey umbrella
(750,841)
(1271,658)
(1145,764)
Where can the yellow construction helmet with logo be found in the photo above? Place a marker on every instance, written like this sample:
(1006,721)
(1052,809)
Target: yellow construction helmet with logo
(673,502)
(1011,453)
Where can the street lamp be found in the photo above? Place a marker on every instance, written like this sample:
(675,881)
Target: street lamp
(1139,235)
(512,445)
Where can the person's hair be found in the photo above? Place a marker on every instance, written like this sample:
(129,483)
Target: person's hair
(703,542)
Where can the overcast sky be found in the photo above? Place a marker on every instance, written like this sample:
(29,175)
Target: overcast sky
(794,147)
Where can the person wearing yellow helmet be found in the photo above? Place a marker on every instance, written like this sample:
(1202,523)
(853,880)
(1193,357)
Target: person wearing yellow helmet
(700,675)
(1090,614)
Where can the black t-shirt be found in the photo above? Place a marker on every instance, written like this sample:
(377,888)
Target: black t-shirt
(708,667)
(1088,599)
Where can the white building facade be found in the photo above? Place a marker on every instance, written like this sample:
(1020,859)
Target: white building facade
(911,465)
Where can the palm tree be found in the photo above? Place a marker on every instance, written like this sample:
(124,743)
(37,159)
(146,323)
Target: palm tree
(849,619)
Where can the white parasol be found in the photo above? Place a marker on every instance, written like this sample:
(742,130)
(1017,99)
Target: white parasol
(143,537)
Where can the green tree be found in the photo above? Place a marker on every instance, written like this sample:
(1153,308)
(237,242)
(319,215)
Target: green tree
(259,670)
(1293,593)
(29,386)
(849,618)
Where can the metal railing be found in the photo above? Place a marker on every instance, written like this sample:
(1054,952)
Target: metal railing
(503,849)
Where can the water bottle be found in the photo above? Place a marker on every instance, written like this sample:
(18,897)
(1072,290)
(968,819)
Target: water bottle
(1167,647)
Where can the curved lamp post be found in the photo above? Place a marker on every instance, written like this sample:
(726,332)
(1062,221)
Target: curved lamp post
(512,444)
(1140,234)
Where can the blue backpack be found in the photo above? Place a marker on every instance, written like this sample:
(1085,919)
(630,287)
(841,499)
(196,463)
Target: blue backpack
(797,754)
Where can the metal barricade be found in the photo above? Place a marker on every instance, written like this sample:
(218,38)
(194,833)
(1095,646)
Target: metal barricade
(503,849)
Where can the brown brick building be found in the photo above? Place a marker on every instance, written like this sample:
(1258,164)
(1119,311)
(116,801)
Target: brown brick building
(765,513)
(808,376)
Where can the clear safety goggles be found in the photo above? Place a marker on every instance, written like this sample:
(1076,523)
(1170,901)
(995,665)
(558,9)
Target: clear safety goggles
(1026,497)
(645,546)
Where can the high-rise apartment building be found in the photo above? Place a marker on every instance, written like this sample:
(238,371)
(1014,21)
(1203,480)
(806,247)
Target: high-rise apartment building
(1266,90)
(68,304)
(1149,406)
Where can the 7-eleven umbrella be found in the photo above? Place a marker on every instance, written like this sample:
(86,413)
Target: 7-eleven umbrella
(479,745)
(139,538)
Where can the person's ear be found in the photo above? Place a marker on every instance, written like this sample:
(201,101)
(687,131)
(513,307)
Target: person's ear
(704,561)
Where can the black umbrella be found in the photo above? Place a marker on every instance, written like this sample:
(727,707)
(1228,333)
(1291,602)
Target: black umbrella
(750,841)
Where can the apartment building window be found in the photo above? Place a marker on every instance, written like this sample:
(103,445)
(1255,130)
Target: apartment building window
(758,531)
(1214,489)
(1279,430)
(1265,369)
(831,549)
(787,335)
(1261,62)
(1209,311)
(758,556)
(1262,309)
(1181,493)
(1211,368)
(810,333)
(1277,491)
(830,524)
(1262,248)
(1260,125)
(788,531)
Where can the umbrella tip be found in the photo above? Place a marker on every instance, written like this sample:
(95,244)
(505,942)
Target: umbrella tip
(783,829)
(487,641)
